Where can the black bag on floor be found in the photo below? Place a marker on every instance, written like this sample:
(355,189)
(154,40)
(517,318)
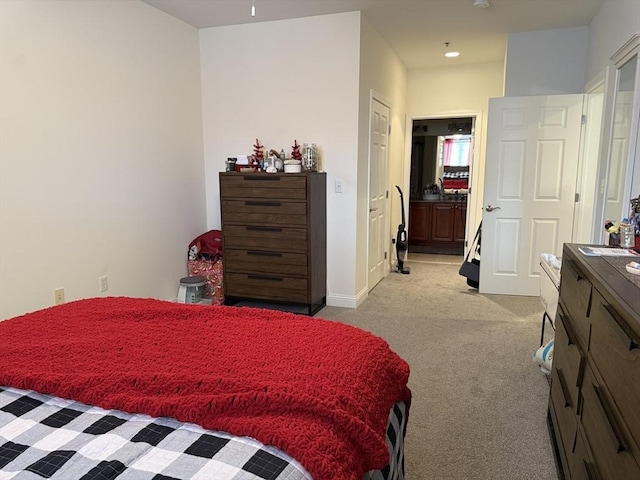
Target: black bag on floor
(471,268)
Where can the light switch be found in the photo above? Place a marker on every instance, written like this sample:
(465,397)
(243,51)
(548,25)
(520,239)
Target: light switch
(339,185)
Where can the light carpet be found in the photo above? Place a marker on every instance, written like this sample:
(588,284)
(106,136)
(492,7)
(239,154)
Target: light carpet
(479,402)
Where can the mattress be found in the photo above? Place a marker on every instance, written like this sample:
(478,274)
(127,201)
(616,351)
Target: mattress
(42,436)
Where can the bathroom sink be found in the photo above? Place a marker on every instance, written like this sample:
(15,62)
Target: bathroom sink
(431,197)
(453,197)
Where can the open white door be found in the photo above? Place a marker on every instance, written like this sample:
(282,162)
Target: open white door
(378,158)
(533,146)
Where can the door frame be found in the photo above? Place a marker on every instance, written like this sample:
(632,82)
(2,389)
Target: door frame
(624,54)
(373,95)
(476,169)
(592,170)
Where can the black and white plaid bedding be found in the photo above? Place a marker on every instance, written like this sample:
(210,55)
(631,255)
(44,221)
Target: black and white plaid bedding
(396,429)
(48,437)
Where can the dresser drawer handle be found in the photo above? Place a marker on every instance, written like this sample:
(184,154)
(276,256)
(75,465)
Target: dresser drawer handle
(254,276)
(581,367)
(566,324)
(576,275)
(565,390)
(590,470)
(261,178)
(260,228)
(580,403)
(263,254)
(629,337)
(262,203)
(611,421)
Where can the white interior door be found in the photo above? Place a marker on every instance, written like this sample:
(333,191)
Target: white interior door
(378,158)
(533,148)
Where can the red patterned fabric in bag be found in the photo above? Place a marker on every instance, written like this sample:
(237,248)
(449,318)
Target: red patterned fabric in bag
(212,272)
(208,246)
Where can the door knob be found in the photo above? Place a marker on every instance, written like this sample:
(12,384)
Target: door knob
(489,208)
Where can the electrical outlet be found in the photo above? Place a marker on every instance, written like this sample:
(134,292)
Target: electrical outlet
(104,283)
(58,295)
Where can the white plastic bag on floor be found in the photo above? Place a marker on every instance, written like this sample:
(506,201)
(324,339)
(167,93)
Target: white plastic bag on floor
(544,357)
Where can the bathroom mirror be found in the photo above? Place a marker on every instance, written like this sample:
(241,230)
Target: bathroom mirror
(623,136)
(441,154)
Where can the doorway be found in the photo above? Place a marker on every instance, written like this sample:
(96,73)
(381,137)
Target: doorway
(439,184)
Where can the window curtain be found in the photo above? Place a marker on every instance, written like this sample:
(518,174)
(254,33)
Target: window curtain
(457,153)
(448,146)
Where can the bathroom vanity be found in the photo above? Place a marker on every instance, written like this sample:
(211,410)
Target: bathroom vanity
(438,225)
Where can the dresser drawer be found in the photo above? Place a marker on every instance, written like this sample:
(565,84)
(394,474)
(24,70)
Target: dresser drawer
(265,237)
(263,185)
(606,433)
(569,358)
(582,465)
(614,349)
(264,212)
(563,413)
(575,293)
(265,261)
(266,286)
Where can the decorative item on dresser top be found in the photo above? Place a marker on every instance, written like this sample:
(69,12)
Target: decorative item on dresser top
(594,404)
(275,233)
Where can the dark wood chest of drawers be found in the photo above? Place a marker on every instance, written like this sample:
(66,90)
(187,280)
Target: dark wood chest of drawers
(594,404)
(274,232)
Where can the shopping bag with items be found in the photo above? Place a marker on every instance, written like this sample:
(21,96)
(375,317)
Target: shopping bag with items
(471,266)
(205,260)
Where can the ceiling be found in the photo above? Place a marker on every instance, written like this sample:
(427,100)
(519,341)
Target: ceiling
(417,30)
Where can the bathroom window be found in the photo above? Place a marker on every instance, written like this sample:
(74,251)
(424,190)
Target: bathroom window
(455,151)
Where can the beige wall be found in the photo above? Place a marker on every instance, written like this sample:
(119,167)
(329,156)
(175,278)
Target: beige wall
(101,168)
(101,159)
(614,24)
(546,62)
(285,80)
(457,91)
(382,72)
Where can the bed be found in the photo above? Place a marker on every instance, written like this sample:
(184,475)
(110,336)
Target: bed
(145,389)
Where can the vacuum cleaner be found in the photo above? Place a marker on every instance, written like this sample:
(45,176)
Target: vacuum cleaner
(402,244)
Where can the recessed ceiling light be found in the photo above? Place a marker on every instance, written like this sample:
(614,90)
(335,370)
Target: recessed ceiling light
(481,3)
(450,53)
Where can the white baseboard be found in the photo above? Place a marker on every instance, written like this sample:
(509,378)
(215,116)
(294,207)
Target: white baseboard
(343,301)
(347,301)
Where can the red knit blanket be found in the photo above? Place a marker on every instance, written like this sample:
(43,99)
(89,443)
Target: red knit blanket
(318,390)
